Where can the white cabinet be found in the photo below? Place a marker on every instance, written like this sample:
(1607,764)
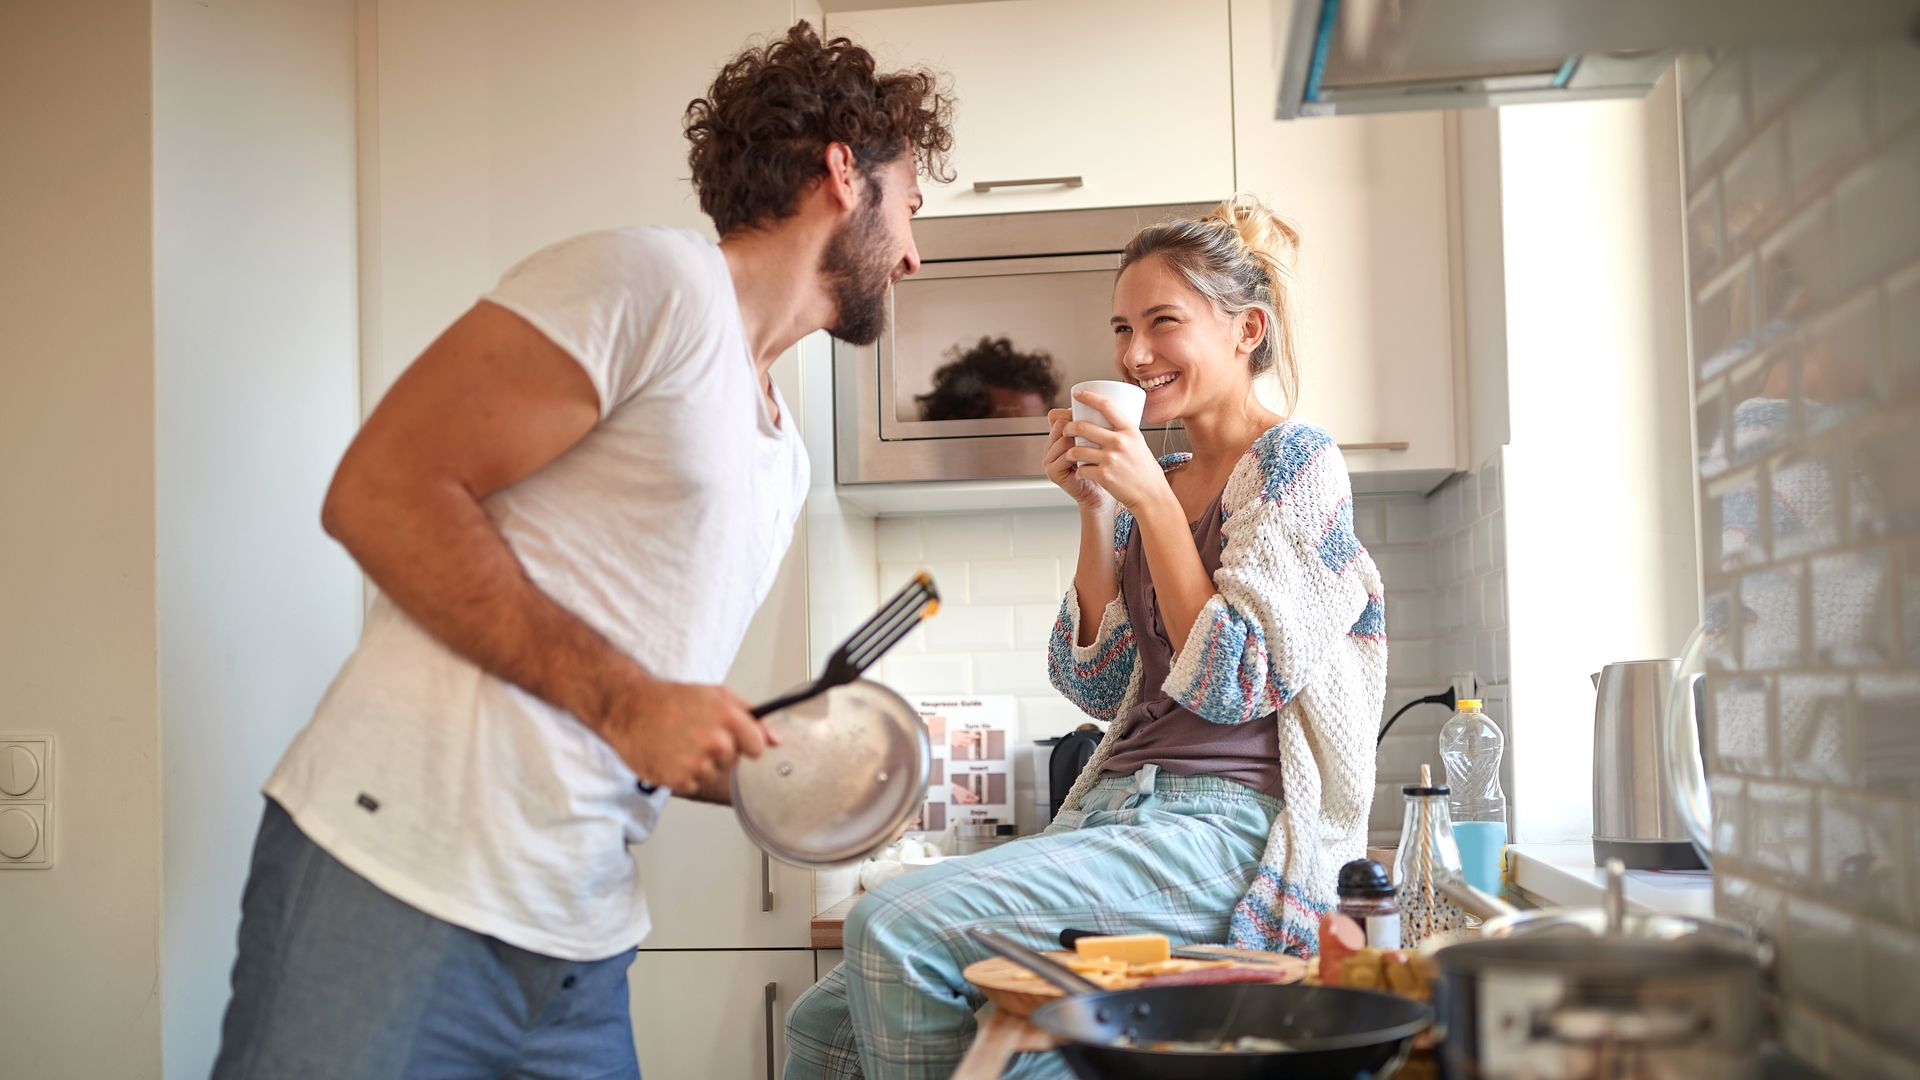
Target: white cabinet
(1134,97)
(713,1015)
(1369,195)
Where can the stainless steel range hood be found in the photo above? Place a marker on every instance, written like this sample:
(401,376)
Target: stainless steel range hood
(1357,56)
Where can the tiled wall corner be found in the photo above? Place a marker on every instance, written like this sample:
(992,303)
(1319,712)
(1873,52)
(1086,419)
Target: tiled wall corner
(1803,209)
(1443,558)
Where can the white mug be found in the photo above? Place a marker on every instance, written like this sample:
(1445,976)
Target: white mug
(1128,398)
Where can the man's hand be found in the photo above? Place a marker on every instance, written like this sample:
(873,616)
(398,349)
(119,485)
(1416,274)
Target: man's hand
(682,736)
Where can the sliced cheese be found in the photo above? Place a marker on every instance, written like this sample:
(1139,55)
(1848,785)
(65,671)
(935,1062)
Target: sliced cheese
(1132,948)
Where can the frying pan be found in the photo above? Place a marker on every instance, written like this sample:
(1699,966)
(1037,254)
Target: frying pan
(1331,1032)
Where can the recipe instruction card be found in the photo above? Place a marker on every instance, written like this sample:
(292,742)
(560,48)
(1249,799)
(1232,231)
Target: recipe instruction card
(973,745)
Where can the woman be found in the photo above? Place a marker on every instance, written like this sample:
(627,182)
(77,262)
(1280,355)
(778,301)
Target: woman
(1226,621)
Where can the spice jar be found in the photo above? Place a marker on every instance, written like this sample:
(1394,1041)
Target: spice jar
(1427,850)
(1367,897)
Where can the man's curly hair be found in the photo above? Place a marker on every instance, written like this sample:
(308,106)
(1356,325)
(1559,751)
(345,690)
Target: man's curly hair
(760,135)
(960,385)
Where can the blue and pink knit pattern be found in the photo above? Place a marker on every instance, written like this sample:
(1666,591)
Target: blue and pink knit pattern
(1295,632)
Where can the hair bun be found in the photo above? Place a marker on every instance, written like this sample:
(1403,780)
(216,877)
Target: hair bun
(1265,234)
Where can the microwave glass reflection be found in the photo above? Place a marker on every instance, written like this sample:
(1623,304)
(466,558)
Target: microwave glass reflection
(998,346)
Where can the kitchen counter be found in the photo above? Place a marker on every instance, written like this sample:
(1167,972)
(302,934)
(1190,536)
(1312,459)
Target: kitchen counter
(1564,875)
(829,924)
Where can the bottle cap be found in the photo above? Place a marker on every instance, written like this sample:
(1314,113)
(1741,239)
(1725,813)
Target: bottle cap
(1364,877)
(1469,703)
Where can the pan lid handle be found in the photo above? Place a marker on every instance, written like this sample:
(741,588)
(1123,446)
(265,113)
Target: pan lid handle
(1060,975)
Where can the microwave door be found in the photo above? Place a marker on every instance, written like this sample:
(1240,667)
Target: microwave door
(986,347)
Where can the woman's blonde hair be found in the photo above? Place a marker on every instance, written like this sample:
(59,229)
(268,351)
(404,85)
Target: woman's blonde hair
(1239,257)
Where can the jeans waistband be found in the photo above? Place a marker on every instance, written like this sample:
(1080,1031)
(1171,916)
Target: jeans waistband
(1151,781)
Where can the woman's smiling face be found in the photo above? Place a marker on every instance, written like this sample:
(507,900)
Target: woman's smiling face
(1175,344)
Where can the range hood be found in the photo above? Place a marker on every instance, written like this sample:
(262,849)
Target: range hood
(1359,56)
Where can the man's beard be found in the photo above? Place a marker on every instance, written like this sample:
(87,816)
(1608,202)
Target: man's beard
(858,271)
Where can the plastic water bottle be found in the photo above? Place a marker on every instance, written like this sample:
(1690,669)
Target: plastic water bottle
(1470,748)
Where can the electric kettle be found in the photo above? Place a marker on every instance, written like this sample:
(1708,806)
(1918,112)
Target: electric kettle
(1636,817)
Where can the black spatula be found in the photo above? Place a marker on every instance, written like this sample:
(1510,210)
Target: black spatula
(870,642)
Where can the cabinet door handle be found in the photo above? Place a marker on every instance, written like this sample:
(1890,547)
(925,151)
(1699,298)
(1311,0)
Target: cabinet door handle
(984,186)
(1403,445)
(766,882)
(772,995)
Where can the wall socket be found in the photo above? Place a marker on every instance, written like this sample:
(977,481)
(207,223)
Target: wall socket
(26,802)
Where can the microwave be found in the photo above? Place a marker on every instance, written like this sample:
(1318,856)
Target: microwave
(1007,313)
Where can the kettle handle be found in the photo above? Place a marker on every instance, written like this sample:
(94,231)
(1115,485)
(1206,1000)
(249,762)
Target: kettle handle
(1683,753)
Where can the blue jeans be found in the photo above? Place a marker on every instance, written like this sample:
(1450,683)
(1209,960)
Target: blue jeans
(1147,853)
(336,979)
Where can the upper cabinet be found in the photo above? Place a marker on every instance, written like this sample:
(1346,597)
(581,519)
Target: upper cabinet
(1115,103)
(1373,293)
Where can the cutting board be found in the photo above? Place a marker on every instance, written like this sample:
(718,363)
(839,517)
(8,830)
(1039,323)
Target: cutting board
(1015,992)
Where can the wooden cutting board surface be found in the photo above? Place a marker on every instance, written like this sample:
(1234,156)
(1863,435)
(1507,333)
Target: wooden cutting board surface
(1016,992)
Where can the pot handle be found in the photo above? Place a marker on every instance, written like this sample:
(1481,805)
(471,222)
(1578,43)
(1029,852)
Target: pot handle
(1682,754)
(1068,980)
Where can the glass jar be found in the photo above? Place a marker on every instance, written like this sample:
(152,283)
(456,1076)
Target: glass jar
(1367,897)
(1427,850)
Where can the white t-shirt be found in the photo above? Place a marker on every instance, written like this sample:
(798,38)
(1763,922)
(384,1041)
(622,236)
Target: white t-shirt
(463,795)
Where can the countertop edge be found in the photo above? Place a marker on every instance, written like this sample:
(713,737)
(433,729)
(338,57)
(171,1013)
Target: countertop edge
(1564,874)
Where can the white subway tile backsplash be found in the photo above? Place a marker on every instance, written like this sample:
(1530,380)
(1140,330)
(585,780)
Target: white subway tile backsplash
(1770,602)
(1033,625)
(1862,861)
(1775,71)
(929,674)
(1015,581)
(1823,961)
(1469,489)
(948,577)
(1369,520)
(1755,187)
(1893,986)
(1827,126)
(1493,600)
(967,536)
(1739,731)
(1853,1055)
(1409,661)
(1704,245)
(1781,821)
(959,628)
(1400,566)
(1407,520)
(1870,204)
(1853,618)
(1716,113)
(1742,899)
(1484,660)
(1897,82)
(1813,727)
(897,539)
(1887,732)
(1047,534)
(1483,546)
(1410,615)
(1010,673)
(1502,652)
(1796,265)
(1730,829)
(1047,716)
(1903,331)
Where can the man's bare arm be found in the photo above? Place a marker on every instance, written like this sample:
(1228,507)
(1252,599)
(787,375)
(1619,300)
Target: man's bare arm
(488,403)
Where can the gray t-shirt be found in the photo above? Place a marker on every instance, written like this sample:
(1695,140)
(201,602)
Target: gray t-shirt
(1163,732)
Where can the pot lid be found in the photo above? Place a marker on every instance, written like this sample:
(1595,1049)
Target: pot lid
(849,774)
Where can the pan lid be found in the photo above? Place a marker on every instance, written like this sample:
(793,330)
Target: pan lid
(849,774)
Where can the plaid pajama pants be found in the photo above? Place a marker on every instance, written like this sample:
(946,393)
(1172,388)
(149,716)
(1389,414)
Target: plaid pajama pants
(1148,853)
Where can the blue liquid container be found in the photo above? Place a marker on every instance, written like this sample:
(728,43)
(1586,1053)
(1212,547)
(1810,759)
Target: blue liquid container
(1471,746)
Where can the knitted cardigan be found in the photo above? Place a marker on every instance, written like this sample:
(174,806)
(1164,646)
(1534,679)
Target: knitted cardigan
(1296,633)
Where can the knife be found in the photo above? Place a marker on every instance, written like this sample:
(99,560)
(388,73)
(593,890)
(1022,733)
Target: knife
(1188,952)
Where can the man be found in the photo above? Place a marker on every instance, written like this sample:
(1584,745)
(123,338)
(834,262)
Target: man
(572,503)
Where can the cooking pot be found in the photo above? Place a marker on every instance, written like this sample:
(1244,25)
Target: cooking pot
(1572,994)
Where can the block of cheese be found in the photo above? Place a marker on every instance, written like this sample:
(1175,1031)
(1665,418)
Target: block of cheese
(1130,948)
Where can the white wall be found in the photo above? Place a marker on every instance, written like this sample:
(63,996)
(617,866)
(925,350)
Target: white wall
(256,397)
(1599,507)
(79,987)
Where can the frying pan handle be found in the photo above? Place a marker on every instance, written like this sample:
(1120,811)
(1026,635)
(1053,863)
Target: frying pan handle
(1060,975)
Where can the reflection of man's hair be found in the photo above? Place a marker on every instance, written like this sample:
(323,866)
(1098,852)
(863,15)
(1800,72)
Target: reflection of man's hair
(960,385)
